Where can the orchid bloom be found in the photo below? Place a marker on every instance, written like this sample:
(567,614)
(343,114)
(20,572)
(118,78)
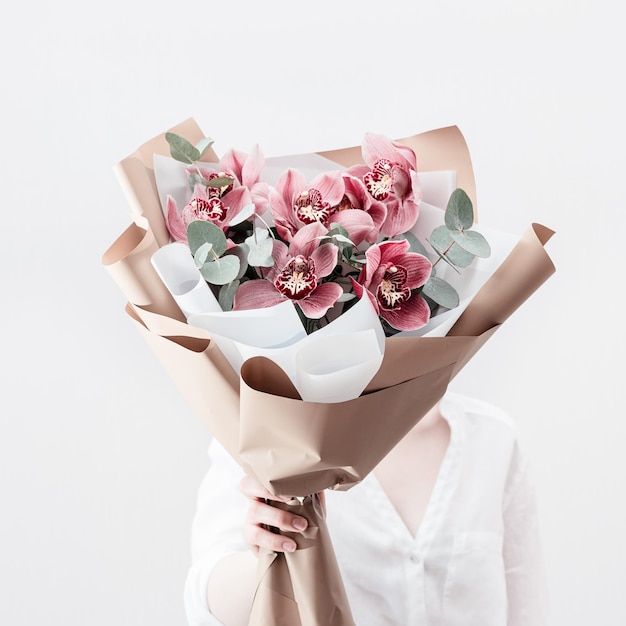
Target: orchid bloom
(390,175)
(211,204)
(296,275)
(389,276)
(221,204)
(245,169)
(294,202)
(359,212)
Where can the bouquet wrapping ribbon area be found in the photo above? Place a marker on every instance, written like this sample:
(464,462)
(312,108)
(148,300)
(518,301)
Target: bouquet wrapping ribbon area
(297,447)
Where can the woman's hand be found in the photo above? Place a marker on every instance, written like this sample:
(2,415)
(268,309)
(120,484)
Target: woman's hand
(261,516)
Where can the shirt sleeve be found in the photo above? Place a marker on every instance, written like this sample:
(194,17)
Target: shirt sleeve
(216,530)
(523,559)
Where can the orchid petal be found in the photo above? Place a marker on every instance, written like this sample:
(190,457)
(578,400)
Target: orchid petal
(400,218)
(252,167)
(359,290)
(377,147)
(358,223)
(418,269)
(307,239)
(401,183)
(260,195)
(413,314)
(235,200)
(325,259)
(323,298)
(233,161)
(256,294)
(358,171)
(173,221)
(331,186)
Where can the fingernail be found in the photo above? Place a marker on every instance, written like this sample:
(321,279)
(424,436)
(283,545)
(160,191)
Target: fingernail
(289,546)
(299,523)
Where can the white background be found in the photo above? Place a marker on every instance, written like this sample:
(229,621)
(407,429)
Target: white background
(100,456)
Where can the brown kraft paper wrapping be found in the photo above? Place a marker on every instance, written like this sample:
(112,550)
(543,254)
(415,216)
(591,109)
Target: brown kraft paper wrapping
(299,448)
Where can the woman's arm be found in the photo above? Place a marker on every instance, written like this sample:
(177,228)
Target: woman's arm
(233,581)
(228,528)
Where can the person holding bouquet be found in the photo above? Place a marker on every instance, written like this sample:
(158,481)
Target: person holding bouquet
(444,531)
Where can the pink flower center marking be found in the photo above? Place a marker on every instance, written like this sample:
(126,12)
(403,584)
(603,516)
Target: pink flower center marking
(380,180)
(392,290)
(207,210)
(310,207)
(298,279)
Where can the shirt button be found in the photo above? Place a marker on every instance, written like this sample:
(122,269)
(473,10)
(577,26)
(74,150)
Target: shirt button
(415,557)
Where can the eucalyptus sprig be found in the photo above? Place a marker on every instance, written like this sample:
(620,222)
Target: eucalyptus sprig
(454,242)
(184,151)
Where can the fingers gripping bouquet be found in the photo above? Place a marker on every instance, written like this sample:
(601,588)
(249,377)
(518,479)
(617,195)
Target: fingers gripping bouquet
(312,309)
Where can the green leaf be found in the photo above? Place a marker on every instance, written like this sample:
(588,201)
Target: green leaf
(243,215)
(226,295)
(181,149)
(200,232)
(241,252)
(459,257)
(472,242)
(195,179)
(459,212)
(441,292)
(202,253)
(220,181)
(221,271)
(203,145)
(442,241)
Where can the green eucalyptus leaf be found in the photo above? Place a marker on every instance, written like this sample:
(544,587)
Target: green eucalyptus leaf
(221,271)
(226,295)
(203,145)
(441,292)
(472,242)
(441,239)
(342,239)
(243,215)
(195,179)
(241,252)
(446,247)
(459,213)
(202,253)
(459,257)
(200,232)
(441,242)
(220,181)
(181,149)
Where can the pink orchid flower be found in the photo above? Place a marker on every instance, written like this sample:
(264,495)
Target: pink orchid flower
(389,276)
(390,175)
(294,202)
(359,212)
(296,275)
(211,204)
(245,169)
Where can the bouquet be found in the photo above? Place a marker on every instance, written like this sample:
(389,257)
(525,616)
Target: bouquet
(295,301)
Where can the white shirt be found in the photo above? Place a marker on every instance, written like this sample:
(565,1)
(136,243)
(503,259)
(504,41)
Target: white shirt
(476,558)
